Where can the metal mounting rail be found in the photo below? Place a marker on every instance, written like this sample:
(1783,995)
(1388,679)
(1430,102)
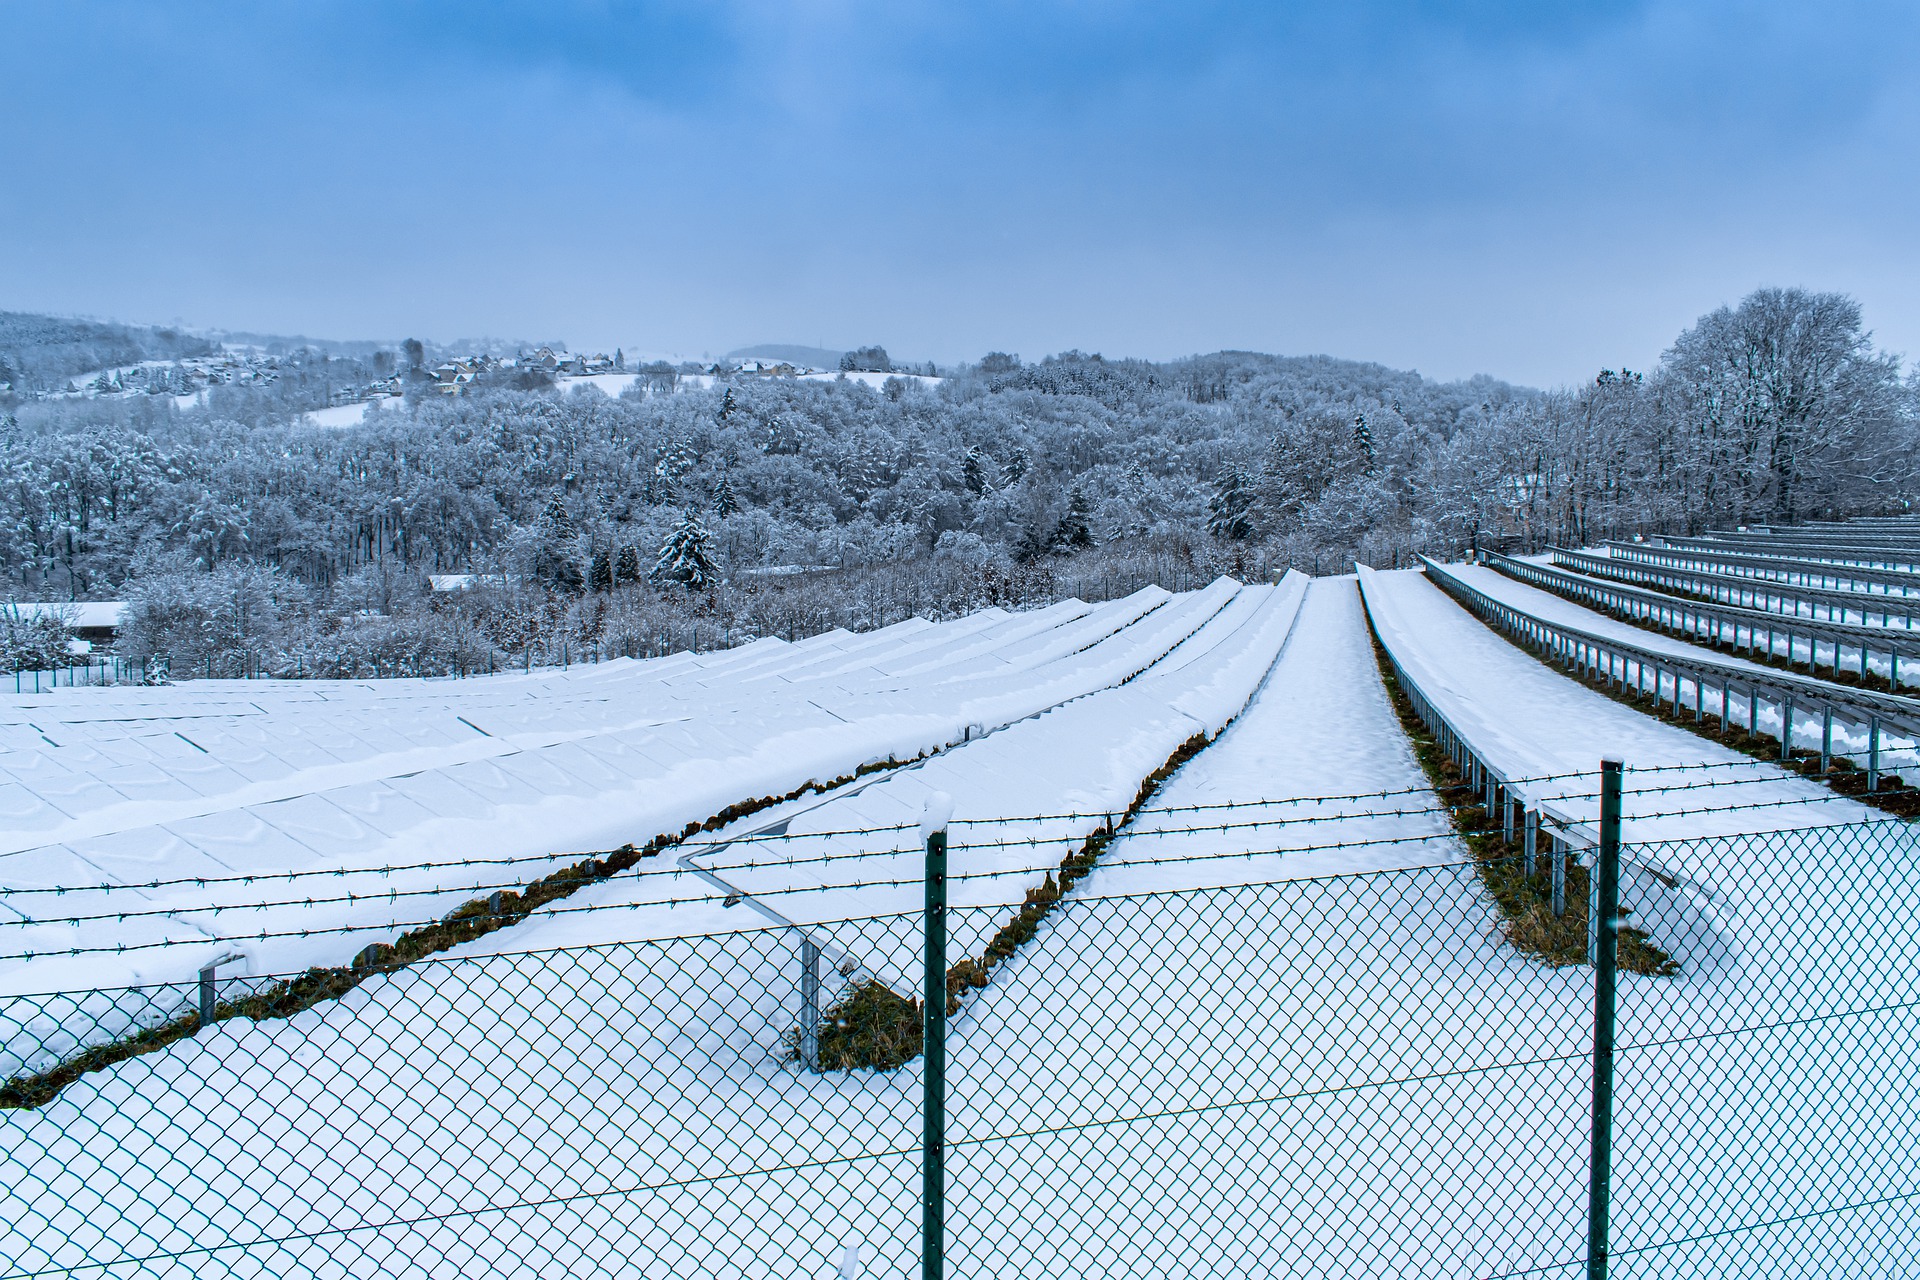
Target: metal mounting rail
(1546,830)
(1901,557)
(1844,539)
(1666,676)
(1736,588)
(1908,524)
(1497,792)
(1845,535)
(1771,568)
(1728,621)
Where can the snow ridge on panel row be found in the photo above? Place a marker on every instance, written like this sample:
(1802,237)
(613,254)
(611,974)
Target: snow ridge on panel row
(652,751)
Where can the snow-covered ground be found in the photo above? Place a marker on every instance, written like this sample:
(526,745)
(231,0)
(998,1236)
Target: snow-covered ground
(611,383)
(1342,1075)
(874,380)
(335,417)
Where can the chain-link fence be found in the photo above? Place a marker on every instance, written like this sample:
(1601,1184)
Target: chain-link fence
(1358,1075)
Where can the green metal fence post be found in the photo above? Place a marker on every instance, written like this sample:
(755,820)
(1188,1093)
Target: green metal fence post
(933,1166)
(1607,934)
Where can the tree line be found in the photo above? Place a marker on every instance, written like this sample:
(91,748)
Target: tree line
(764,505)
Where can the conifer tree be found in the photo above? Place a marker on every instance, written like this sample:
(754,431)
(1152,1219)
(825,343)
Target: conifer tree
(626,565)
(1230,511)
(1016,467)
(686,557)
(553,557)
(600,572)
(1075,530)
(724,503)
(974,472)
(1363,441)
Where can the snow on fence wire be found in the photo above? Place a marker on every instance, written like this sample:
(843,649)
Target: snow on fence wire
(1789,569)
(1744,592)
(1346,1076)
(1719,624)
(1669,677)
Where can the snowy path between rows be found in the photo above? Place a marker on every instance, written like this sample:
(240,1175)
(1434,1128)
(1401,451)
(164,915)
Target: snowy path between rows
(1321,726)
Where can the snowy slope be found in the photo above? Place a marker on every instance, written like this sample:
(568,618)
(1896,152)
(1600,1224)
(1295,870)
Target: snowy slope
(1318,1061)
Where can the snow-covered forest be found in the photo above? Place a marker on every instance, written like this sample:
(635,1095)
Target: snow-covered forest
(247,540)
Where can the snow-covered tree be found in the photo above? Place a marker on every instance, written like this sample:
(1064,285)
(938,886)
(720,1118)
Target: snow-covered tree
(1075,529)
(686,557)
(600,572)
(32,639)
(1015,468)
(1230,510)
(973,473)
(555,553)
(626,566)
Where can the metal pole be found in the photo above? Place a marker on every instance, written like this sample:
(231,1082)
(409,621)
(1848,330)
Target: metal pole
(1786,730)
(809,1003)
(1826,738)
(1530,841)
(1559,877)
(933,1170)
(1600,1151)
(1873,753)
(207,1002)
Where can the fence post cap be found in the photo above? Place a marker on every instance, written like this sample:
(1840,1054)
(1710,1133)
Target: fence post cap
(935,815)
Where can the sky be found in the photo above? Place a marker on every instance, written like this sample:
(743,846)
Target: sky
(1527,190)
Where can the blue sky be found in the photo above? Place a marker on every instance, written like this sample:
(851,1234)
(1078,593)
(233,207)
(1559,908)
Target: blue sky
(1524,189)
